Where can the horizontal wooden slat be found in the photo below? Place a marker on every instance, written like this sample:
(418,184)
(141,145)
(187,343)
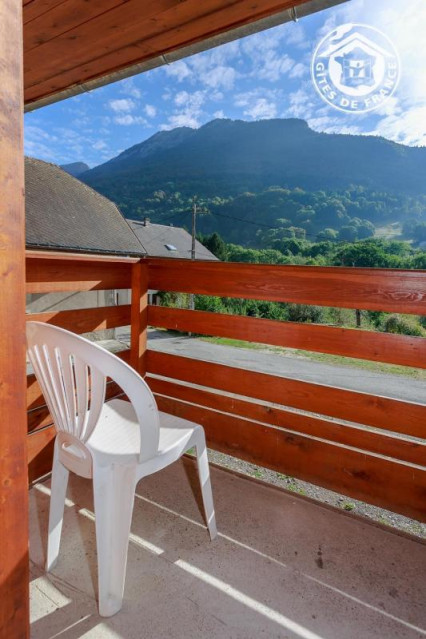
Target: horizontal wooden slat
(375,442)
(381,412)
(58,19)
(132,34)
(380,347)
(40,453)
(79,41)
(79,257)
(34,8)
(392,485)
(363,288)
(85,320)
(58,275)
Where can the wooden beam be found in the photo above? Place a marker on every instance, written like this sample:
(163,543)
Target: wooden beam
(376,480)
(139,314)
(393,290)
(404,350)
(332,431)
(362,408)
(58,274)
(85,320)
(14,572)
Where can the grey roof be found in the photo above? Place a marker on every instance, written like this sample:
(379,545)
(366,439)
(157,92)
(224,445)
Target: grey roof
(160,240)
(63,213)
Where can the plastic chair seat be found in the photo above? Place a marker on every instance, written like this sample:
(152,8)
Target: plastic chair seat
(117,434)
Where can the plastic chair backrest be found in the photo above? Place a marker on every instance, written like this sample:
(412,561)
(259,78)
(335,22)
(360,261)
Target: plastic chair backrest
(72,374)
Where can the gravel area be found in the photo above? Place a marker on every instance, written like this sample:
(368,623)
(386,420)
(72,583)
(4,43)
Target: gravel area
(323,495)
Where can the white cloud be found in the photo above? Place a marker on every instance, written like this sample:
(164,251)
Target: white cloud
(216,96)
(150,110)
(214,69)
(274,66)
(250,98)
(219,114)
(407,127)
(36,133)
(191,101)
(189,110)
(178,70)
(128,87)
(99,145)
(261,110)
(39,150)
(181,119)
(122,105)
(298,70)
(219,77)
(128,120)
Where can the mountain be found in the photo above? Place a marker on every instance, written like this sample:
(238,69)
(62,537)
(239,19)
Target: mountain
(75,168)
(259,168)
(228,157)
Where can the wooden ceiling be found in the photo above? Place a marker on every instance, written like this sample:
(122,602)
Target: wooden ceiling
(70,42)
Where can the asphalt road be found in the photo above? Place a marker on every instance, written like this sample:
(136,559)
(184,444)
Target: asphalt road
(352,378)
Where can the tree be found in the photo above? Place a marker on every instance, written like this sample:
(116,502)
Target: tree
(348,233)
(216,245)
(327,234)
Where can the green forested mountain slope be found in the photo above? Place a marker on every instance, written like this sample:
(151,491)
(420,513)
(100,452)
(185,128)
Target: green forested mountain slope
(278,173)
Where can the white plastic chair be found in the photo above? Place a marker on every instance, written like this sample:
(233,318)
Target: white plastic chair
(115,443)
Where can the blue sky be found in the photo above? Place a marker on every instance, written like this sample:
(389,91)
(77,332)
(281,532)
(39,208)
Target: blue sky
(266,75)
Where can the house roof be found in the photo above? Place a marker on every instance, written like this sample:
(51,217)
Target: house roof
(62,213)
(160,240)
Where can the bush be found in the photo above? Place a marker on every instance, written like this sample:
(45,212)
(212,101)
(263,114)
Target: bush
(403,326)
(305,313)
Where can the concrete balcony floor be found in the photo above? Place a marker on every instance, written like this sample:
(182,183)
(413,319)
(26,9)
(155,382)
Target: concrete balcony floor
(282,567)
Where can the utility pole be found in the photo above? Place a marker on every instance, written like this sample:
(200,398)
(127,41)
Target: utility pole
(195,211)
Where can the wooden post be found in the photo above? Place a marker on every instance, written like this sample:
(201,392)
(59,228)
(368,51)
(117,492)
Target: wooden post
(139,317)
(14,578)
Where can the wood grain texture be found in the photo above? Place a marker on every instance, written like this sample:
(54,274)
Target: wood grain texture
(380,347)
(380,412)
(139,314)
(40,453)
(34,8)
(390,290)
(332,431)
(85,320)
(79,257)
(398,487)
(14,573)
(59,274)
(123,36)
(59,19)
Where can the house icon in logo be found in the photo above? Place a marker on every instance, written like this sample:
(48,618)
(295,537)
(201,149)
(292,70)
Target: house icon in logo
(357,67)
(358,57)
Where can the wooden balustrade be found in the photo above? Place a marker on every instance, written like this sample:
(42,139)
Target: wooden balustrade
(61,272)
(359,444)
(379,457)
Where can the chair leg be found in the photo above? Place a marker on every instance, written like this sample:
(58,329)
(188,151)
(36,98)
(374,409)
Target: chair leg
(57,502)
(206,488)
(114,495)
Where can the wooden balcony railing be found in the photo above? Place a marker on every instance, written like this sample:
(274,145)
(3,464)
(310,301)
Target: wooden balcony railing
(380,457)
